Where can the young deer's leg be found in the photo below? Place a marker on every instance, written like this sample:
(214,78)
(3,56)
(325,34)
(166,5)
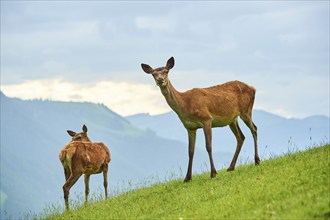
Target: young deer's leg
(105,180)
(208,141)
(67,173)
(253,128)
(240,139)
(86,178)
(67,186)
(192,140)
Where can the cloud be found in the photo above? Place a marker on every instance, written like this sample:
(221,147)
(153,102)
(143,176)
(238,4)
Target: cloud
(293,38)
(281,48)
(154,23)
(121,97)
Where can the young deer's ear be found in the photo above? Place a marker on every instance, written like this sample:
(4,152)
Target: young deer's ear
(84,128)
(170,63)
(146,68)
(71,133)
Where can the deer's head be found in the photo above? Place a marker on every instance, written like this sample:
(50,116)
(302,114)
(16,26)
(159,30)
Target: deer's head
(160,74)
(82,136)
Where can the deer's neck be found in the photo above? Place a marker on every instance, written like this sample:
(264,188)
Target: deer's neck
(173,97)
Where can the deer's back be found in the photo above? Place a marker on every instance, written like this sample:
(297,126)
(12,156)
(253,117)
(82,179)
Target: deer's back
(221,103)
(91,156)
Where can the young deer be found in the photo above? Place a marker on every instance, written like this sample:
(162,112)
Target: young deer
(81,156)
(205,108)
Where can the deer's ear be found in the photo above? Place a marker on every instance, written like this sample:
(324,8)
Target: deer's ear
(71,133)
(84,128)
(170,63)
(146,68)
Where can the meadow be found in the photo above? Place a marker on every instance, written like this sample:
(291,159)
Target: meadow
(293,186)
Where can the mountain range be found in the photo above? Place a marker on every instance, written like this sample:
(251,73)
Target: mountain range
(275,134)
(143,148)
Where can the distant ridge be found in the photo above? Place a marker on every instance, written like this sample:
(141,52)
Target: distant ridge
(275,133)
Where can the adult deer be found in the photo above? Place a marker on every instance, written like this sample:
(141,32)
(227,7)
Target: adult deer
(81,156)
(205,108)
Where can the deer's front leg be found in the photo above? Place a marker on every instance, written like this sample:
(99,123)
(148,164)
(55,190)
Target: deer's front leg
(192,140)
(208,141)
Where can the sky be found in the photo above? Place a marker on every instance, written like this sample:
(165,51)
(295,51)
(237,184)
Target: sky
(92,51)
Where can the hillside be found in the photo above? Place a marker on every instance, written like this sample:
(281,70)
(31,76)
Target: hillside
(294,186)
(33,132)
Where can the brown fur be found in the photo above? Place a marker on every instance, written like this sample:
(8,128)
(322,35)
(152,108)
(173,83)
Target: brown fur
(81,156)
(216,106)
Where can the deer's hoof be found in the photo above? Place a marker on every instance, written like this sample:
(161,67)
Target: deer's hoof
(257,161)
(230,169)
(187,179)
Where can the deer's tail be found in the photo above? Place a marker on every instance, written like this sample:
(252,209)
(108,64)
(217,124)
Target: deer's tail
(66,154)
(62,155)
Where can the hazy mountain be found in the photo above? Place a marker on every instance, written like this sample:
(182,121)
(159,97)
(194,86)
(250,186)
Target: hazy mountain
(33,132)
(275,134)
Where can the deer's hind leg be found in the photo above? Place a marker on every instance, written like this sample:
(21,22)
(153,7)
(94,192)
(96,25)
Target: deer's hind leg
(67,186)
(105,180)
(67,173)
(86,179)
(247,118)
(240,139)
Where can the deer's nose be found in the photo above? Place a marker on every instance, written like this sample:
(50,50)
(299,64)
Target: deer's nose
(160,80)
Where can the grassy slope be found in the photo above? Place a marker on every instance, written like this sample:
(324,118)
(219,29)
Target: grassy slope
(292,186)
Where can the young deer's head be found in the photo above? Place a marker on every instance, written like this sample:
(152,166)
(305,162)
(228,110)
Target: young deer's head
(160,74)
(82,136)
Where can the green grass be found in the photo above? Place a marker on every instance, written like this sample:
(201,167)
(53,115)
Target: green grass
(294,186)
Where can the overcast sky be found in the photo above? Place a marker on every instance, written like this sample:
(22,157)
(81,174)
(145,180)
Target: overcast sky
(92,51)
